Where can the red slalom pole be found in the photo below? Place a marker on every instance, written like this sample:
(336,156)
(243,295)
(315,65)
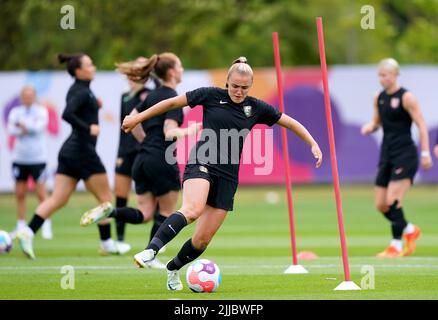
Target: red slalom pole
(333,159)
(285,148)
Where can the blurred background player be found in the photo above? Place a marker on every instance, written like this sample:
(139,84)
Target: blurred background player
(394,110)
(435,148)
(209,183)
(155,172)
(128,147)
(77,159)
(28,123)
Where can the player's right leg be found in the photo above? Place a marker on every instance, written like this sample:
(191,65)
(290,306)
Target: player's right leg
(206,227)
(64,186)
(20,197)
(195,193)
(122,188)
(41,192)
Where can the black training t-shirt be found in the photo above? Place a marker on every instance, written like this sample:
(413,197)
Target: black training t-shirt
(153,127)
(80,112)
(225,127)
(127,142)
(396,123)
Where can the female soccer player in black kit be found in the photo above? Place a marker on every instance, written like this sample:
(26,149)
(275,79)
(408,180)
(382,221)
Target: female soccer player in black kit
(394,110)
(77,158)
(128,149)
(210,182)
(156,174)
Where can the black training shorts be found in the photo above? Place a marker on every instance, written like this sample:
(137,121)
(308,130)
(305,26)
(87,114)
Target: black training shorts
(80,167)
(152,174)
(22,172)
(222,191)
(125,163)
(404,166)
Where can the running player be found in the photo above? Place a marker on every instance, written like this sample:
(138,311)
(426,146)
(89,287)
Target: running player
(77,159)
(211,175)
(156,174)
(128,148)
(28,123)
(394,110)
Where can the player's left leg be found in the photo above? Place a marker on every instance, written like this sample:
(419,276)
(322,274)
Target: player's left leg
(396,192)
(41,192)
(20,197)
(98,185)
(122,188)
(206,227)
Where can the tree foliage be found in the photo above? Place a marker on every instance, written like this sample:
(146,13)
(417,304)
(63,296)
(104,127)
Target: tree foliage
(211,33)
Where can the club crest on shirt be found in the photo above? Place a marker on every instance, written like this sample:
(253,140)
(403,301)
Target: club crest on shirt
(395,103)
(248,111)
(143,96)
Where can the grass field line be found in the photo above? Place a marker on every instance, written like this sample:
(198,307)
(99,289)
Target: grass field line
(268,266)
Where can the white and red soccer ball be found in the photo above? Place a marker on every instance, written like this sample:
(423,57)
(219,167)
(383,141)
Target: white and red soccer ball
(5,242)
(203,276)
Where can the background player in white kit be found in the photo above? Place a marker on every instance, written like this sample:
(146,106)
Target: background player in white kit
(28,123)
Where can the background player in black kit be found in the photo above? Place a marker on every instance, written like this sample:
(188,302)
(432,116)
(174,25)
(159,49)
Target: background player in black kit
(394,110)
(128,149)
(211,178)
(156,174)
(77,158)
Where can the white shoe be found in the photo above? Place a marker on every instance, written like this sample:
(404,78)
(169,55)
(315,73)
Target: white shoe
(108,247)
(143,257)
(173,281)
(155,264)
(46,230)
(96,214)
(122,247)
(25,236)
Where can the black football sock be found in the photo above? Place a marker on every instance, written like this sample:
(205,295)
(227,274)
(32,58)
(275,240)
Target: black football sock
(104,231)
(187,254)
(399,222)
(158,221)
(36,223)
(128,215)
(120,225)
(167,231)
(388,215)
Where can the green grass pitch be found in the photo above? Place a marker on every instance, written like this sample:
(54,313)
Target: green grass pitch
(252,249)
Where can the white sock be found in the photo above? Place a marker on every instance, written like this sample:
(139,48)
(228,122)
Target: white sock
(409,228)
(21,224)
(397,244)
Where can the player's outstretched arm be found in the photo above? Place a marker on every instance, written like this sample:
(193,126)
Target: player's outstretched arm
(303,134)
(173,131)
(161,107)
(413,108)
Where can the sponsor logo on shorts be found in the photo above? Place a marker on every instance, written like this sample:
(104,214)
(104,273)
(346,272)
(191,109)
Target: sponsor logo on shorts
(398,171)
(119,162)
(16,171)
(203,169)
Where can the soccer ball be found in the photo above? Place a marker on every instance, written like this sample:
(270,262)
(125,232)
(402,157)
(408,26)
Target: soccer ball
(203,276)
(5,242)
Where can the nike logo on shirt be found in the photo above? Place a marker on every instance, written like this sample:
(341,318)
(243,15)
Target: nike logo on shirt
(223,102)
